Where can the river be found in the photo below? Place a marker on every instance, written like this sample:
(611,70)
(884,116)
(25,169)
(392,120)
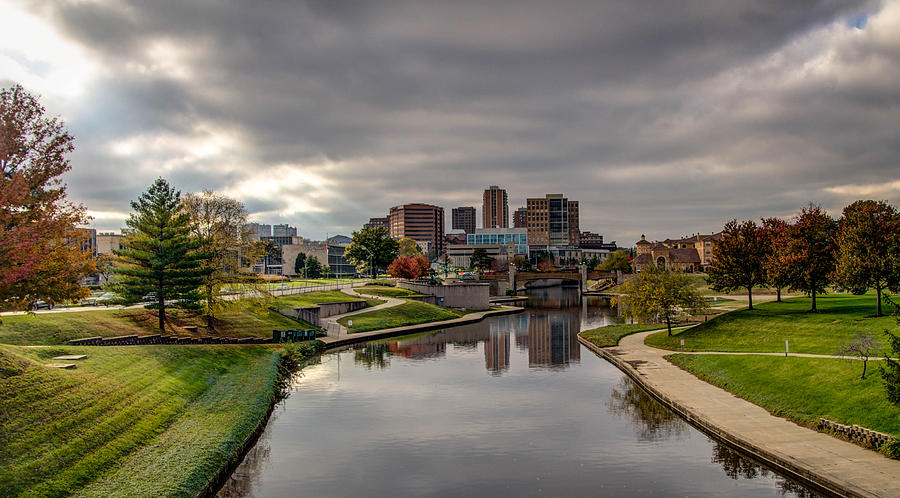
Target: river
(511,406)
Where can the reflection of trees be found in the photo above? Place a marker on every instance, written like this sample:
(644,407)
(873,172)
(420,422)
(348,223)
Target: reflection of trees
(373,355)
(247,474)
(652,420)
(737,466)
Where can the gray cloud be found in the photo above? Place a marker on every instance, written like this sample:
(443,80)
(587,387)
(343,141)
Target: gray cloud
(663,120)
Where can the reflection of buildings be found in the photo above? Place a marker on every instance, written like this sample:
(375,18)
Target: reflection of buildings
(553,297)
(416,350)
(551,340)
(496,352)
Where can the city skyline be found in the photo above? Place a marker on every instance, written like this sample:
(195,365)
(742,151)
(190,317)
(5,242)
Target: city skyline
(728,111)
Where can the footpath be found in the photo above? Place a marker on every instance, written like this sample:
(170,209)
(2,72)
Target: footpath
(835,466)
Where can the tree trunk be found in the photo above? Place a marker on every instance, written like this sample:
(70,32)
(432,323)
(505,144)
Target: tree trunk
(864,368)
(813,309)
(778,294)
(877,291)
(162,315)
(209,303)
(750,298)
(669,325)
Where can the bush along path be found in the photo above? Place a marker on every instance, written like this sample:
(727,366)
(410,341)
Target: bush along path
(825,462)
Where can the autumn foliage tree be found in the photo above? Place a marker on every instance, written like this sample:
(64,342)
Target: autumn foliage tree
(808,252)
(740,258)
(868,248)
(410,267)
(40,253)
(371,248)
(775,265)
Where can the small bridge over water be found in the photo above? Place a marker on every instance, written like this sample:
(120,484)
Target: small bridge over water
(578,277)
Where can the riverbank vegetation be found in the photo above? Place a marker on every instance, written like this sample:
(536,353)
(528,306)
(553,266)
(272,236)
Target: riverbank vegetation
(801,389)
(385,291)
(610,335)
(408,313)
(315,297)
(839,319)
(135,420)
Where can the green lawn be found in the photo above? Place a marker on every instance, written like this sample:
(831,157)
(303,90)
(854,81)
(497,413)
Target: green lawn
(378,290)
(801,389)
(57,328)
(408,313)
(611,334)
(316,297)
(132,420)
(840,317)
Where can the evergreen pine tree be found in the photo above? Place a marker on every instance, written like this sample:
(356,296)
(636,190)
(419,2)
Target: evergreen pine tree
(160,258)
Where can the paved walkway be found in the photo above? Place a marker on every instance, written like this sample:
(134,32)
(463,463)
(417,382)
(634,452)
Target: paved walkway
(840,466)
(338,331)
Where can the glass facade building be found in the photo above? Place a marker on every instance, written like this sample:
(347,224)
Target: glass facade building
(502,236)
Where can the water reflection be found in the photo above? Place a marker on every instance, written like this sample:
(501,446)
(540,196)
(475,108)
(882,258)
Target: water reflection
(651,420)
(738,466)
(372,355)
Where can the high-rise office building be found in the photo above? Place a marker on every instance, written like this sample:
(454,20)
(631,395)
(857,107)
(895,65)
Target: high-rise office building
(552,221)
(520,218)
(420,222)
(283,231)
(463,218)
(495,208)
(377,222)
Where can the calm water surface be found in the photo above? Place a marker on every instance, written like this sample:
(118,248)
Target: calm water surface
(512,406)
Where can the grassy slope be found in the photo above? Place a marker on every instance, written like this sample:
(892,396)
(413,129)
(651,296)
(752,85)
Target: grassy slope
(840,317)
(611,334)
(314,298)
(408,313)
(793,387)
(61,429)
(57,328)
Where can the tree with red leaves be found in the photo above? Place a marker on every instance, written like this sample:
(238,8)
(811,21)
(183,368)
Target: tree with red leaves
(777,272)
(409,267)
(40,254)
(808,252)
(740,258)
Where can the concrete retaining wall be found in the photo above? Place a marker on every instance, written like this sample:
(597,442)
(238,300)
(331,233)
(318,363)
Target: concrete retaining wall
(866,437)
(315,314)
(471,296)
(141,340)
(435,300)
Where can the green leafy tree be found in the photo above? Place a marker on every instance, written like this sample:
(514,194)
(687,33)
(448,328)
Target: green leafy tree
(890,369)
(778,271)
(315,269)
(480,260)
(409,247)
(659,293)
(521,262)
(161,258)
(868,248)
(740,259)
(618,261)
(372,245)
(808,252)
(299,263)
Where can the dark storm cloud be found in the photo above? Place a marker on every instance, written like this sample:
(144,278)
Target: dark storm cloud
(666,118)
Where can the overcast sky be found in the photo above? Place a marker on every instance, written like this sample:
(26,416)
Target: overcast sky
(664,118)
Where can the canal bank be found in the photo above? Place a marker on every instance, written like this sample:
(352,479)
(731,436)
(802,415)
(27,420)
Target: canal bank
(818,460)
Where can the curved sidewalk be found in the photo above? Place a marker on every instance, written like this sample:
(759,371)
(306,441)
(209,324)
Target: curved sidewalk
(331,323)
(835,466)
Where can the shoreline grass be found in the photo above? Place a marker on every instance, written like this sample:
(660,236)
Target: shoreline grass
(385,291)
(840,317)
(169,415)
(801,389)
(610,335)
(317,297)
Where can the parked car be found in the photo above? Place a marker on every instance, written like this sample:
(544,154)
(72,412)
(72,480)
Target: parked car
(41,305)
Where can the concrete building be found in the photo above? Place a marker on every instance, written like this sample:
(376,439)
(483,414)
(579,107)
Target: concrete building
(284,231)
(553,221)
(107,242)
(86,239)
(378,222)
(258,230)
(420,222)
(703,244)
(289,255)
(495,208)
(463,218)
(520,218)
(460,256)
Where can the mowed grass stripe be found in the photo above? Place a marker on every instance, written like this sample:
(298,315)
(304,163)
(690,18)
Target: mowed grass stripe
(80,423)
